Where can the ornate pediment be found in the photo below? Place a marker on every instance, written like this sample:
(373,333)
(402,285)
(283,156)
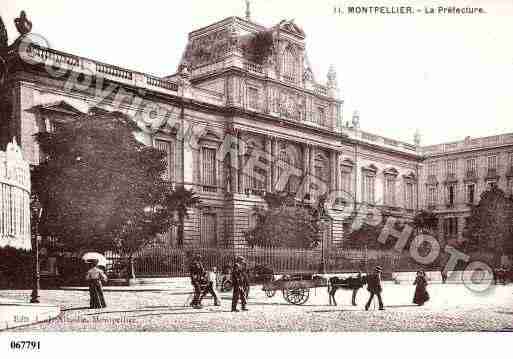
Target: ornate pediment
(59,107)
(291,27)
(210,135)
(390,172)
(410,176)
(370,168)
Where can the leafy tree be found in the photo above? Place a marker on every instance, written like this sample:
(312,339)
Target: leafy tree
(99,188)
(490,225)
(180,200)
(284,223)
(425,221)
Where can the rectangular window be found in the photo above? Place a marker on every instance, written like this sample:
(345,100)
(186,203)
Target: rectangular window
(253,99)
(471,188)
(450,195)
(321,116)
(368,188)
(259,182)
(451,167)
(409,193)
(168,148)
(432,169)
(432,196)
(345,181)
(471,167)
(451,227)
(390,191)
(209,172)
(209,229)
(492,162)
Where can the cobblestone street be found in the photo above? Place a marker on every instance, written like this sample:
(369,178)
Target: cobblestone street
(167,311)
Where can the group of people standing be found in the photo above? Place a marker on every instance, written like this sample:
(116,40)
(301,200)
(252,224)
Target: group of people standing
(204,282)
(374,287)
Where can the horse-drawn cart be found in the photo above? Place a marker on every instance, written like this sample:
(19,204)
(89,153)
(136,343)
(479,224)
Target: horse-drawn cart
(295,288)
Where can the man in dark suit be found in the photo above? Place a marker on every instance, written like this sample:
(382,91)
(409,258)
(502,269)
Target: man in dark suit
(374,287)
(197,274)
(239,283)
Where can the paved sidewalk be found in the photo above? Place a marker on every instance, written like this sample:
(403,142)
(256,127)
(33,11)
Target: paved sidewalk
(14,313)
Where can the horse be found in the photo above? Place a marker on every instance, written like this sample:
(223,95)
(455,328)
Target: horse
(350,283)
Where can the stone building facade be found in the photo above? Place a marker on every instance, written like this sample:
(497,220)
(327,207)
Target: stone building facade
(14,198)
(224,99)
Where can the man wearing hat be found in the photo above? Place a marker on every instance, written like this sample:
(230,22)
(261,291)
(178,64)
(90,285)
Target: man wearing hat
(197,274)
(374,287)
(240,283)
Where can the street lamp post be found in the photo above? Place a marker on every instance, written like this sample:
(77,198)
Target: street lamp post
(34,297)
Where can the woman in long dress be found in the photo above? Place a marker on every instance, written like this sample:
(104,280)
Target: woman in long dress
(95,276)
(421,294)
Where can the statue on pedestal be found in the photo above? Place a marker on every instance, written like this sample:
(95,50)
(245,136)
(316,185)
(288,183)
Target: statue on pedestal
(23,25)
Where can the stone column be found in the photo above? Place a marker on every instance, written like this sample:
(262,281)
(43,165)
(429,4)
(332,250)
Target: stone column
(268,151)
(306,168)
(274,158)
(240,151)
(234,159)
(333,172)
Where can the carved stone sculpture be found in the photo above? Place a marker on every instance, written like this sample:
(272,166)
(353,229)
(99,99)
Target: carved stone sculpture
(23,25)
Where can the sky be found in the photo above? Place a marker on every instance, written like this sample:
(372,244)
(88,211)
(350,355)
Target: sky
(449,76)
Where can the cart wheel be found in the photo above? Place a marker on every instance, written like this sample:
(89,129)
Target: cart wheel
(296,296)
(270,293)
(227,286)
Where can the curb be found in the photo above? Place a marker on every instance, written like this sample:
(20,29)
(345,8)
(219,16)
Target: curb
(18,314)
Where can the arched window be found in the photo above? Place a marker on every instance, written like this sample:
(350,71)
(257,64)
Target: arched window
(321,168)
(290,65)
(289,156)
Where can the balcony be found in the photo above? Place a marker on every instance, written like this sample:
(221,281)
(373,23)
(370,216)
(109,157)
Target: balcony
(491,174)
(471,175)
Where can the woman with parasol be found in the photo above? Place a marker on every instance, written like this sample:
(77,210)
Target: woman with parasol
(95,277)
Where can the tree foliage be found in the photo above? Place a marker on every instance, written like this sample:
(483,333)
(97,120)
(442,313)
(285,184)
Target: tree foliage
(425,221)
(284,223)
(99,188)
(490,225)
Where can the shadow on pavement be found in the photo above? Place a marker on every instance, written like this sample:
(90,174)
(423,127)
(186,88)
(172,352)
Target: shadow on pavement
(74,308)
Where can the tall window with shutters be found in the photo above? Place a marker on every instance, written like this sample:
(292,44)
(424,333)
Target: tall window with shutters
(390,190)
(346,179)
(253,98)
(209,169)
(368,188)
(168,147)
(409,195)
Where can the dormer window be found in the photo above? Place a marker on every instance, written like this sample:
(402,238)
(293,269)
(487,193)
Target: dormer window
(253,98)
(321,116)
(290,65)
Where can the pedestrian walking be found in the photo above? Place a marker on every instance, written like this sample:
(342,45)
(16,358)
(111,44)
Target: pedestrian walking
(421,294)
(209,288)
(95,276)
(197,273)
(374,287)
(245,273)
(239,283)
(444,275)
